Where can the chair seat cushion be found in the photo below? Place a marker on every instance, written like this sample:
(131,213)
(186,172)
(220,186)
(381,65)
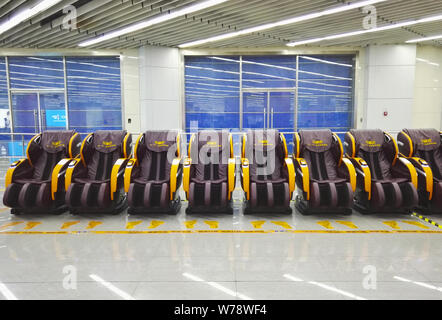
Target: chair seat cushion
(143,180)
(87,180)
(337,180)
(33,181)
(280,180)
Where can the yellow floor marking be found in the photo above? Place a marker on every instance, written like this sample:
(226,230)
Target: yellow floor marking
(416,223)
(190,224)
(211,224)
(68,224)
(216,231)
(132,224)
(257,224)
(347,223)
(392,224)
(155,223)
(326,224)
(283,224)
(10,224)
(93,224)
(31,224)
(3,209)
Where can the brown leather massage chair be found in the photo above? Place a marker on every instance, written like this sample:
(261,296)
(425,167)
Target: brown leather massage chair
(94,182)
(325,179)
(385,181)
(153,176)
(209,172)
(267,173)
(36,183)
(423,148)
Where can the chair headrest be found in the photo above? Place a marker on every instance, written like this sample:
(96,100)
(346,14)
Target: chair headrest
(160,140)
(369,140)
(424,139)
(53,141)
(216,141)
(316,140)
(107,141)
(263,140)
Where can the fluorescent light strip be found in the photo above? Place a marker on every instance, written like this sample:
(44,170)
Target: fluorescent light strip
(424,39)
(293,20)
(6,292)
(217,286)
(111,287)
(26,14)
(359,32)
(152,21)
(422,284)
(326,61)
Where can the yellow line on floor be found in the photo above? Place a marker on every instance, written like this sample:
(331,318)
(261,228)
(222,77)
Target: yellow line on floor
(214,231)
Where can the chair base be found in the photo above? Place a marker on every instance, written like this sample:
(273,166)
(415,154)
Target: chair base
(262,209)
(366,210)
(173,208)
(303,207)
(54,210)
(113,210)
(211,209)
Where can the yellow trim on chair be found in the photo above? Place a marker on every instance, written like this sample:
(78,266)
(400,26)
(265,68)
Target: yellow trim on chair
(341,148)
(351,171)
(231,145)
(114,176)
(190,144)
(81,149)
(186,175)
(411,169)
(55,173)
(245,177)
(428,175)
(173,173)
(136,147)
(395,147)
(128,173)
(70,144)
(285,144)
(69,172)
(243,151)
(411,144)
(298,141)
(353,144)
(231,179)
(27,148)
(125,145)
(367,175)
(291,172)
(178,151)
(305,176)
(11,169)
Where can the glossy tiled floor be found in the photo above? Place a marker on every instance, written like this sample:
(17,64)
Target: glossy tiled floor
(217,256)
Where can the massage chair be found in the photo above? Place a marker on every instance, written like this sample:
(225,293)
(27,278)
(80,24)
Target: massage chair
(94,181)
(325,179)
(36,183)
(267,172)
(385,181)
(423,148)
(153,176)
(209,172)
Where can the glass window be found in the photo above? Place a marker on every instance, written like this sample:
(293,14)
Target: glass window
(36,72)
(94,93)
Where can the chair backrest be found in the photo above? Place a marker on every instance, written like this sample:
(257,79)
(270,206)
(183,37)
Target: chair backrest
(155,151)
(377,148)
(210,151)
(101,149)
(425,144)
(322,150)
(265,150)
(46,149)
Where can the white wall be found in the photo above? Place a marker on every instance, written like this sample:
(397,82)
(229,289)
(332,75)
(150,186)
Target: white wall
(131,90)
(389,86)
(160,88)
(427,107)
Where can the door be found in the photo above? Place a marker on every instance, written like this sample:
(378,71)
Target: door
(36,111)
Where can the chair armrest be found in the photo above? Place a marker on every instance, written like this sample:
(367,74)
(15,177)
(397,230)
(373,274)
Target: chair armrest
(423,170)
(304,171)
(174,172)
(11,170)
(363,171)
(232,176)
(186,175)
(57,173)
(410,169)
(128,173)
(245,175)
(291,174)
(70,171)
(351,172)
(117,170)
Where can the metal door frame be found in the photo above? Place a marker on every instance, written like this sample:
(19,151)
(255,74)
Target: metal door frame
(38,92)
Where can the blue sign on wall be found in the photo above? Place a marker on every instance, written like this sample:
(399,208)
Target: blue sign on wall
(56,118)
